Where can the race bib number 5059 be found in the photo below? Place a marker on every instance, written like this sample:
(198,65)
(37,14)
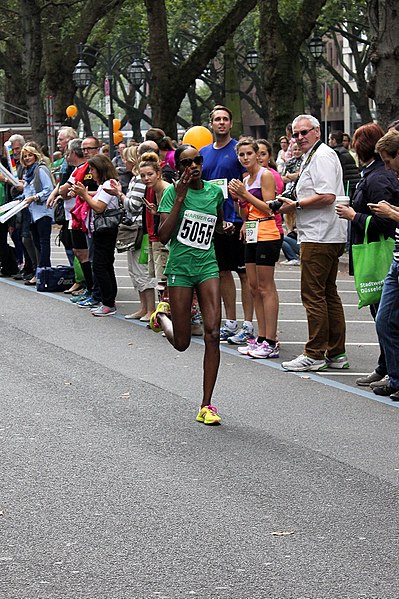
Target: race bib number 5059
(196,229)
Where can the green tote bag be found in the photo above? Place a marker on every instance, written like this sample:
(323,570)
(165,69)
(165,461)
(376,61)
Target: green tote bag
(371,263)
(143,257)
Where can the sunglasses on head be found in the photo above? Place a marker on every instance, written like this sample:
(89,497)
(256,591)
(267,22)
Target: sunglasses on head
(303,133)
(186,162)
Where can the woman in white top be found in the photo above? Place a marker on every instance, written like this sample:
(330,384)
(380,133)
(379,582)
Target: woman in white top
(104,242)
(283,154)
(128,235)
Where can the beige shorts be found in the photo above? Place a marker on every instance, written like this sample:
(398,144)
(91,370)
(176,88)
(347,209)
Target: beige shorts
(157,258)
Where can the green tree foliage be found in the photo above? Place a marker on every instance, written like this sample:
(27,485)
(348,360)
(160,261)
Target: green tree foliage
(45,35)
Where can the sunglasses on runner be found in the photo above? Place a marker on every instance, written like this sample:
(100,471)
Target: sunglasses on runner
(304,132)
(186,162)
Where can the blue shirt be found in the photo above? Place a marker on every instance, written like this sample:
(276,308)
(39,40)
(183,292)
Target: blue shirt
(223,163)
(39,209)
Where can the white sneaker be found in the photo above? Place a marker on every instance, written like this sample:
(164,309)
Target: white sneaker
(304,364)
(226,332)
(242,336)
(338,362)
(293,262)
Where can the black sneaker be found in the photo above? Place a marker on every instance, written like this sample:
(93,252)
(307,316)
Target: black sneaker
(385,390)
(395,396)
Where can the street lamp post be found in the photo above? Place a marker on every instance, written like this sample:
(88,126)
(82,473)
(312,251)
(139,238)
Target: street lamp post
(252,59)
(82,77)
(316,48)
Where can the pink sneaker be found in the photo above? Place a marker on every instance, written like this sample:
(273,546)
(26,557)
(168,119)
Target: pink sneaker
(264,350)
(245,350)
(104,311)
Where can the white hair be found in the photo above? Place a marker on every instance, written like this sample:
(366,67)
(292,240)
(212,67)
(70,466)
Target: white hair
(69,132)
(309,117)
(17,137)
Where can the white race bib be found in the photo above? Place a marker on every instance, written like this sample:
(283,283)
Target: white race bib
(251,231)
(222,183)
(196,229)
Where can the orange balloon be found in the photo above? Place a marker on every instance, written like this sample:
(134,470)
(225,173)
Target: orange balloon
(71,111)
(116,125)
(198,137)
(118,137)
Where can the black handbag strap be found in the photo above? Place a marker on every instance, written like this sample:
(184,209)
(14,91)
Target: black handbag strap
(307,161)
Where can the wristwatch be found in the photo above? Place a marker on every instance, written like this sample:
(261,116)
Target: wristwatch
(297,205)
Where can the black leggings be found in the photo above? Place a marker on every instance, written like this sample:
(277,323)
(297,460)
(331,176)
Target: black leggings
(103,265)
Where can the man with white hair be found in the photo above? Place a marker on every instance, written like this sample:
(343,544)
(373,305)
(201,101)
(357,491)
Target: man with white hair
(322,237)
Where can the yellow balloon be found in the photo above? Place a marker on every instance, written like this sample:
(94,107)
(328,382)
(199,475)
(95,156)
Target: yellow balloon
(116,125)
(198,137)
(71,111)
(118,137)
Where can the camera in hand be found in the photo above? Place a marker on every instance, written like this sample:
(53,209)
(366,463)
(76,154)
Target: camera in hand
(275,205)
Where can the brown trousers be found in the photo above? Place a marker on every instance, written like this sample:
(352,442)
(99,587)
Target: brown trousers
(324,311)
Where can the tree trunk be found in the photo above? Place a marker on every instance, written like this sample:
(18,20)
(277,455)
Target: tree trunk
(232,97)
(280,61)
(14,87)
(196,109)
(84,115)
(384,56)
(32,59)
(313,91)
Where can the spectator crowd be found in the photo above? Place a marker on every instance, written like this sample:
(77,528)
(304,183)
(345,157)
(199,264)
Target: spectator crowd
(312,202)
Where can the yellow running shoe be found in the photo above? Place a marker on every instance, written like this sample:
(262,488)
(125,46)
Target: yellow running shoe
(162,308)
(208,415)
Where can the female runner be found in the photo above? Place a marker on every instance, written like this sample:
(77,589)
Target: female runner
(262,249)
(190,211)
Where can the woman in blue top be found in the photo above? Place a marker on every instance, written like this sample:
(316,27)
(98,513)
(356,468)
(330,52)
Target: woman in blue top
(190,211)
(38,186)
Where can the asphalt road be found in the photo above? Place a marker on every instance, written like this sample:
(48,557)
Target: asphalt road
(110,489)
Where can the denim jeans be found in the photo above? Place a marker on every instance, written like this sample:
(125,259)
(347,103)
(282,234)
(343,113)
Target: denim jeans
(387,323)
(381,368)
(41,233)
(324,311)
(103,265)
(291,248)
